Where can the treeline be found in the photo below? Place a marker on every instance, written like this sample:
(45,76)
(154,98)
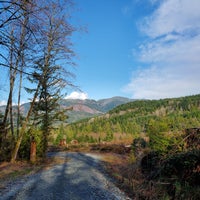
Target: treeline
(36,53)
(143,116)
(170,105)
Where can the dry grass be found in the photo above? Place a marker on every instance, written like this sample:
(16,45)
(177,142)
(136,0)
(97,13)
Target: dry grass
(116,166)
(129,177)
(9,170)
(12,171)
(126,171)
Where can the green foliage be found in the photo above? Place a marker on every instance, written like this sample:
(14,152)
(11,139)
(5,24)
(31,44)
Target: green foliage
(109,137)
(162,139)
(156,118)
(138,144)
(24,151)
(47,110)
(183,166)
(150,164)
(6,147)
(61,134)
(167,158)
(149,106)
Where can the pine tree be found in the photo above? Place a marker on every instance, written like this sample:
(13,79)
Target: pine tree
(50,73)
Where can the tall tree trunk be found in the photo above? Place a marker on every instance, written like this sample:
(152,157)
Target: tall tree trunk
(13,72)
(9,102)
(18,104)
(11,83)
(9,97)
(21,53)
(24,125)
(11,117)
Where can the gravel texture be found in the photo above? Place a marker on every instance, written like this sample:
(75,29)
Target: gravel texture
(81,177)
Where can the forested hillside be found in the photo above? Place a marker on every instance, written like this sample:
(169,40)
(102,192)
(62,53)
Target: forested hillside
(140,117)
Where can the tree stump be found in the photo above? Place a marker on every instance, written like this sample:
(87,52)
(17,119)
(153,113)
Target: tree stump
(33,152)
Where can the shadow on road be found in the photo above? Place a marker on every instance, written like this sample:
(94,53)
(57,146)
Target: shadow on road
(79,177)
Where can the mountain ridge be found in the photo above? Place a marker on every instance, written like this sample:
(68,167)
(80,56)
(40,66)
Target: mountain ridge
(81,108)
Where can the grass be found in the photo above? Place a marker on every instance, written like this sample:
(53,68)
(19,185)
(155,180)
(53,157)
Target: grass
(116,166)
(13,171)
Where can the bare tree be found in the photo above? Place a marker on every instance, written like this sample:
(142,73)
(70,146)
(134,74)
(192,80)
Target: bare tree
(10,11)
(16,31)
(51,67)
(15,47)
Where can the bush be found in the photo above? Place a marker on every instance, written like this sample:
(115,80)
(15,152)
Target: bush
(150,164)
(24,150)
(184,166)
(138,144)
(6,148)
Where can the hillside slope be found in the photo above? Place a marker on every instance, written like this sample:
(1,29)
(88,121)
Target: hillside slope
(143,116)
(90,108)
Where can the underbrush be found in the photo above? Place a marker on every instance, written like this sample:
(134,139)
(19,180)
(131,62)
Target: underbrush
(152,175)
(95,147)
(12,171)
(114,148)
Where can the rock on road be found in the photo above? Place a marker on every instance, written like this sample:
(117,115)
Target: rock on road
(79,178)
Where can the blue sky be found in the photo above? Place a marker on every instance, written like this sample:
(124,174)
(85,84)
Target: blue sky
(137,49)
(141,49)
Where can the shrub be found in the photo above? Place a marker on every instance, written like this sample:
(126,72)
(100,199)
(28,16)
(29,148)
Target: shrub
(150,164)
(24,151)
(184,166)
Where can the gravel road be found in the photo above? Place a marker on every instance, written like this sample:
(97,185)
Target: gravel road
(81,177)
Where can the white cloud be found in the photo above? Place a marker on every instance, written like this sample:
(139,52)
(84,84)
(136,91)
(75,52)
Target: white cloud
(177,16)
(171,52)
(156,83)
(3,103)
(77,95)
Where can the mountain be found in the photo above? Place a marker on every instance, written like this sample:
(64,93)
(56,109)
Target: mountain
(110,103)
(148,117)
(83,108)
(89,108)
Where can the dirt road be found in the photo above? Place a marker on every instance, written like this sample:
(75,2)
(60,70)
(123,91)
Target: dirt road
(81,177)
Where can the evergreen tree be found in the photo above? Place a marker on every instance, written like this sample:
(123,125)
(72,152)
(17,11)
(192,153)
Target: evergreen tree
(51,74)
